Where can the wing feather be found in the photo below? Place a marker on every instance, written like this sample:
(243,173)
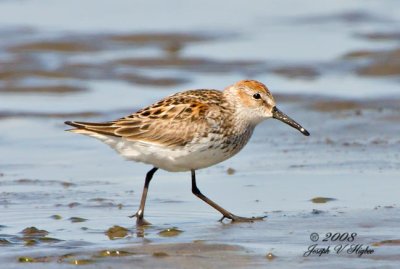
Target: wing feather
(174,121)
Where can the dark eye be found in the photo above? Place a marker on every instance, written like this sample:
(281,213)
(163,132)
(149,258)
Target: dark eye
(256,96)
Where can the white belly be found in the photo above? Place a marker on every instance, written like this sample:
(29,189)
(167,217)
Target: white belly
(193,156)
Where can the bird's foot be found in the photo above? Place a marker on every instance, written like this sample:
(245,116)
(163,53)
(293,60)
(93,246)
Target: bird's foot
(235,218)
(140,221)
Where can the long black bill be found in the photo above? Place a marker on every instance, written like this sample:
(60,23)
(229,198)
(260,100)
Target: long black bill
(279,115)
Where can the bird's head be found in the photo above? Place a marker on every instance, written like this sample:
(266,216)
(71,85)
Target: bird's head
(255,103)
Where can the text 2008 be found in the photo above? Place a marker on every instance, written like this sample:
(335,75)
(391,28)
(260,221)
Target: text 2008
(341,237)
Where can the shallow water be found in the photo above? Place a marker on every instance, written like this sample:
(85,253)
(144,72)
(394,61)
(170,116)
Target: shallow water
(327,65)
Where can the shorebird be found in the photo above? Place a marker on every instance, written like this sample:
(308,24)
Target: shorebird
(188,131)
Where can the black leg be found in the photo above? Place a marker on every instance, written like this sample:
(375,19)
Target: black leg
(140,213)
(225,213)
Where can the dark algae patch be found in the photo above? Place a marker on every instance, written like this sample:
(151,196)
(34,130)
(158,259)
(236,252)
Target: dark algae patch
(392,242)
(113,253)
(151,38)
(27,259)
(230,171)
(322,200)
(160,254)
(116,232)
(270,256)
(49,240)
(4,242)
(77,219)
(32,236)
(18,74)
(72,205)
(170,232)
(380,62)
(335,105)
(54,46)
(35,232)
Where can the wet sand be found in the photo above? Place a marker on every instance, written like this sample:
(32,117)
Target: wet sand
(65,199)
(297,184)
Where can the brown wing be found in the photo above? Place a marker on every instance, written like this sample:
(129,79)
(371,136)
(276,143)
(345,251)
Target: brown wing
(174,121)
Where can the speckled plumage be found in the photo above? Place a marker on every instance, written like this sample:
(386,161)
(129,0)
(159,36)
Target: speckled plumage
(190,130)
(203,122)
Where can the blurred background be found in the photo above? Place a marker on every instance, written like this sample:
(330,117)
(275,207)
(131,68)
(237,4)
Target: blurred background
(333,65)
(55,52)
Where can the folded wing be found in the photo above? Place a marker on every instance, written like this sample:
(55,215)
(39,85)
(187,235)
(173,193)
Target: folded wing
(174,121)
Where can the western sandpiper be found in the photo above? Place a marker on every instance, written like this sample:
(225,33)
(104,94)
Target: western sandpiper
(190,130)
